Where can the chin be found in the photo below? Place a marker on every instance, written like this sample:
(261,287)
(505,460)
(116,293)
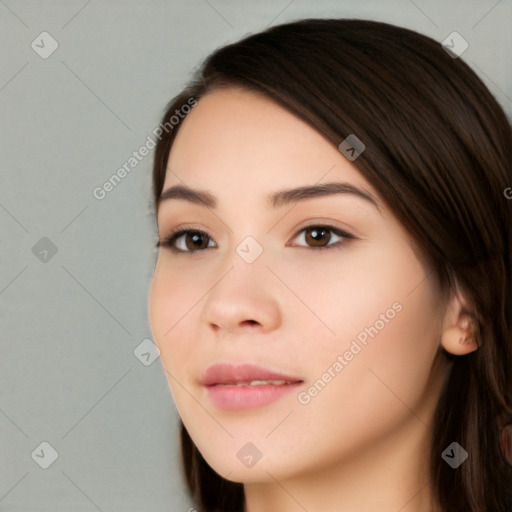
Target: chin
(242,461)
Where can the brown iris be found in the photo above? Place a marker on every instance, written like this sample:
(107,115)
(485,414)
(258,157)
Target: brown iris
(315,236)
(199,241)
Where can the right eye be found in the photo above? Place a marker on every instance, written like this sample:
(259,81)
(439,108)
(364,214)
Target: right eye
(186,240)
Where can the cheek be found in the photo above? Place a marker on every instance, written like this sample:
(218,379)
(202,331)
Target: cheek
(383,384)
(355,294)
(171,299)
(403,351)
(402,356)
(172,296)
(390,336)
(387,326)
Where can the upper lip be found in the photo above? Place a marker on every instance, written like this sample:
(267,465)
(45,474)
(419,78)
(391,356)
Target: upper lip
(225,373)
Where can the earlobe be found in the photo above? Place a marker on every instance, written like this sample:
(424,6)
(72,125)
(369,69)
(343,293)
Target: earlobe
(459,341)
(460,332)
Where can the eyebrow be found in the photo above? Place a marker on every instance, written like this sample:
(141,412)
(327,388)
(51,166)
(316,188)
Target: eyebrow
(274,200)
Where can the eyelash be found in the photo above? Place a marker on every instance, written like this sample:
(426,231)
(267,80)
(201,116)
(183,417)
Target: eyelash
(169,241)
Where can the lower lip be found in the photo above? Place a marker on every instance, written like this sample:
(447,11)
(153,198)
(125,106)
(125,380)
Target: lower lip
(247,397)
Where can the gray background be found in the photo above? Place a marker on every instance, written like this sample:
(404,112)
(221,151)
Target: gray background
(70,324)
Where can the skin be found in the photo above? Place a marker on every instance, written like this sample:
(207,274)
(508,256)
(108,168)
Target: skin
(362,443)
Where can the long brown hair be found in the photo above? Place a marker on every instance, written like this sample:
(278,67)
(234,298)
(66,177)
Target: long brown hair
(438,151)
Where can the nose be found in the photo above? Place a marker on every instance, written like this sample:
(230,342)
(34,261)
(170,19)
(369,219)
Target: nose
(245,299)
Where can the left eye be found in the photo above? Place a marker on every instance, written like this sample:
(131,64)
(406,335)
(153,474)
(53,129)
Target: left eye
(319,236)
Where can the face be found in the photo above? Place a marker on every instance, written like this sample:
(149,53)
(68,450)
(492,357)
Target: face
(322,291)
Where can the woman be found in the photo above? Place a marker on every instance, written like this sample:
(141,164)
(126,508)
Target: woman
(332,294)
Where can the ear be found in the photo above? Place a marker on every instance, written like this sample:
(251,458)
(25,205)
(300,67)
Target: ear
(460,328)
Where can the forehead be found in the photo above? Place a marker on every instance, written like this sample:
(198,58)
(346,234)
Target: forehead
(236,138)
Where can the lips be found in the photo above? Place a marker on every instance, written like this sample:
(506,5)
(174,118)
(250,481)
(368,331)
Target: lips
(244,374)
(246,386)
